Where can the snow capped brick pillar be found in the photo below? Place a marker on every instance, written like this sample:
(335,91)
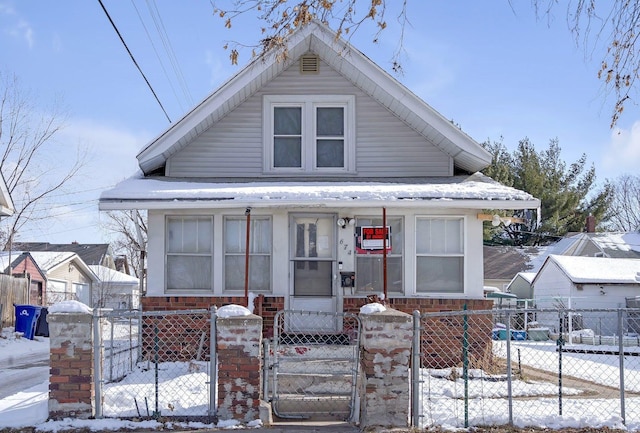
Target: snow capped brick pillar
(386,353)
(71,389)
(239,342)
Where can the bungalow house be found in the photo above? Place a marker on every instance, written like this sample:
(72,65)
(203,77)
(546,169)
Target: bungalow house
(343,176)
(587,283)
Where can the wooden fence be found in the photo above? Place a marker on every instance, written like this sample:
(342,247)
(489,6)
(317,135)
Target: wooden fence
(13,290)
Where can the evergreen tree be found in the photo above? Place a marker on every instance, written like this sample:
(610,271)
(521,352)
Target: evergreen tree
(567,193)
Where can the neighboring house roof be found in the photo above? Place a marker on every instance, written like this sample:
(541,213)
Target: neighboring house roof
(596,270)
(503,262)
(467,154)
(48,261)
(91,254)
(6,203)
(112,276)
(17,258)
(476,191)
(609,244)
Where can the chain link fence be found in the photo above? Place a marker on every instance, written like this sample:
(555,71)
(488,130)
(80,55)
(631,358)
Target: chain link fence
(527,368)
(154,364)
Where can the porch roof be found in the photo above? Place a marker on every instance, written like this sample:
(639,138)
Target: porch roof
(470,192)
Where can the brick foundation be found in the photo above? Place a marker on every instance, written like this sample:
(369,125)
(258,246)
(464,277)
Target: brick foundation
(264,306)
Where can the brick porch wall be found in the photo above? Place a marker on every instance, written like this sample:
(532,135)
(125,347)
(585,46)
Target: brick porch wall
(264,306)
(441,341)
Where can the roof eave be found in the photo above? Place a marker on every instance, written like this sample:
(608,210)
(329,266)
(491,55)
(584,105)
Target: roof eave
(408,203)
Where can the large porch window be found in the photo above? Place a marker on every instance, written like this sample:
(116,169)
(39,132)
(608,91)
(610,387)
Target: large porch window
(235,240)
(369,263)
(439,255)
(189,245)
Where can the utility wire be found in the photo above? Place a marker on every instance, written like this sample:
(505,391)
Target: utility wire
(155,50)
(133,59)
(166,42)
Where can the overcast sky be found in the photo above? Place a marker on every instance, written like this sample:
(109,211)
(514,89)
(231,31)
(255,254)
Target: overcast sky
(494,70)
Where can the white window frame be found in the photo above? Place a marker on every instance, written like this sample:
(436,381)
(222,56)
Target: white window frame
(209,254)
(251,252)
(308,104)
(460,254)
(398,254)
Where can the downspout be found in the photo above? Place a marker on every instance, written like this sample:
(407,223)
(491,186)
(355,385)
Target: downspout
(246,258)
(384,254)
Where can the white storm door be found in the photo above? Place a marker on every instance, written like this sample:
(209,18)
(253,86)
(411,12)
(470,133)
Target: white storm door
(312,261)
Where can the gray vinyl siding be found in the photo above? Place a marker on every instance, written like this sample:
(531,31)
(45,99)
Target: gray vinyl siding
(385,145)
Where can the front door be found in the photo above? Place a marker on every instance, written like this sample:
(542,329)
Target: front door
(312,264)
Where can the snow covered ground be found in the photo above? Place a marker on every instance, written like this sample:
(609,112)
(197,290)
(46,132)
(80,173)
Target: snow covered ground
(443,403)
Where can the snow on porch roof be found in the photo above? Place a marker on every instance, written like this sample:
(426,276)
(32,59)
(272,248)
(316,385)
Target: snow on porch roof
(476,192)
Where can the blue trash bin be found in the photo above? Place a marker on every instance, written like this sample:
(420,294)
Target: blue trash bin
(27,319)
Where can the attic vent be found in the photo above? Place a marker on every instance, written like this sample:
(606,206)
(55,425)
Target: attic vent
(309,64)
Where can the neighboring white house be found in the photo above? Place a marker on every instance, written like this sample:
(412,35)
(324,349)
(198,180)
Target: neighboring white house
(587,283)
(115,289)
(321,154)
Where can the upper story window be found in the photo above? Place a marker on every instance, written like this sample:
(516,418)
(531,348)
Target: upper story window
(309,133)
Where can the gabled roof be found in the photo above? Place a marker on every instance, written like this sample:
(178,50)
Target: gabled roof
(595,270)
(49,261)
(610,244)
(91,254)
(16,258)
(107,275)
(348,61)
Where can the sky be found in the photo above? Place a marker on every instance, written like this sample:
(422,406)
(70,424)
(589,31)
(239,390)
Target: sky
(491,67)
(442,403)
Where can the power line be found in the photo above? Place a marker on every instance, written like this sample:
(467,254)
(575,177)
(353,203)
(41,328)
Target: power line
(133,59)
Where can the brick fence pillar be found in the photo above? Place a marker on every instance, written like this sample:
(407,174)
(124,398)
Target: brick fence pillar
(71,386)
(239,343)
(386,353)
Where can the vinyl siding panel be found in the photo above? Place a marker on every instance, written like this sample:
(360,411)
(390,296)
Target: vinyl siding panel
(385,145)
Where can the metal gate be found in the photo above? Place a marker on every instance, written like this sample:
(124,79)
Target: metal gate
(314,369)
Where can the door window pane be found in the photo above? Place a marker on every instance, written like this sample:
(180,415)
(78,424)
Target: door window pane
(313,278)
